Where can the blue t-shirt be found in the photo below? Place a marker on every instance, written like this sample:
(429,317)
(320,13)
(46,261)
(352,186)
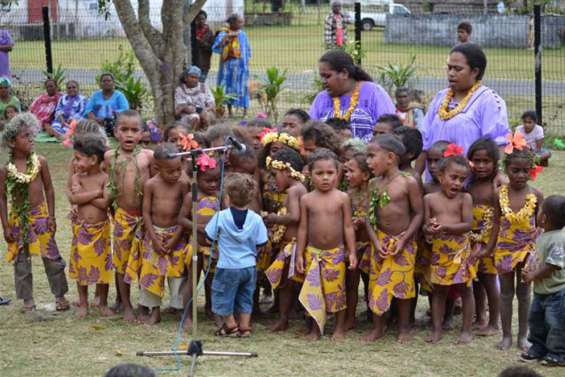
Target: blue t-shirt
(106,107)
(238,247)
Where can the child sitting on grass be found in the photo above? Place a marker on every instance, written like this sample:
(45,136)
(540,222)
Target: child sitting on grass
(238,231)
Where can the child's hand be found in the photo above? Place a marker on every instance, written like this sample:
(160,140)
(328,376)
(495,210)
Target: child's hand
(528,276)
(170,246)
(400,244)
(300,264)
(8,236)
(475,253)
(52,224)
(270,218)
(158,246)
(352,261)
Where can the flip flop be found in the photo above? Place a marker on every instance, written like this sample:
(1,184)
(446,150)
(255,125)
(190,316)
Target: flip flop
(61,304)
(228,333)
(5,301)
(244,333)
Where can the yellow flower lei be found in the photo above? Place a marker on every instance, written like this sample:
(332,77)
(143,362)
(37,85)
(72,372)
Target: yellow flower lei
(279,230)
(525,212)
(444,113)
(279,165)
(352,105)
(282,137)
(488,216)
(30,174)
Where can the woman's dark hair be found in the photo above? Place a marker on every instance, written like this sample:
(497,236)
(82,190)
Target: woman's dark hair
(554,209)
(530,114)
(91,145)
(465,26)
(202,13)
(107,74)
(488,145)
(520,154)
(339,60)
(299,113)
(361,159)
(457,160)
(322,154)
(412,140)
(291,156)
(475,56)
(322,134)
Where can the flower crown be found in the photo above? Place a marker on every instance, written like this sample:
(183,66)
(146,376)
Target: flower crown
(280,165)
(187,142)
(284,138)
(205,162)
(515,142)
(453,150)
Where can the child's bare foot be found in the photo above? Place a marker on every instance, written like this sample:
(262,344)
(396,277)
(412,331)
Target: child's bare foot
(523,344)
(154,318)
(187,325)
(504,344)
(434,337)
(487,331)
(373,335)
(280,325)
(129,315)
(105,311)
(82,311)
(404,336)
(339,334)
(465,338)
(313,335)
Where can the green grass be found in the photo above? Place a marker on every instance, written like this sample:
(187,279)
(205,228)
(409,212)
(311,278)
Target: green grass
(62,346)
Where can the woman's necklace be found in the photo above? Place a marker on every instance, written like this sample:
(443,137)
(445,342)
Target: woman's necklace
(445,113)
(352,104)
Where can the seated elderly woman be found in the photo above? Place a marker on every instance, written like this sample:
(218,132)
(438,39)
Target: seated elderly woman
(7,101)
(70,107)
(194,103)
(43,107)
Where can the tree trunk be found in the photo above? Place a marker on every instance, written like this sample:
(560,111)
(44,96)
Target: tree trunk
(161,54)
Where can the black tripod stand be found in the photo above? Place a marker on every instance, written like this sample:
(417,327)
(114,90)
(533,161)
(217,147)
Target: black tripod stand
(195,348)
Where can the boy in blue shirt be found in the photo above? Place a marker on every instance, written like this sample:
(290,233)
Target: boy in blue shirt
(238,231)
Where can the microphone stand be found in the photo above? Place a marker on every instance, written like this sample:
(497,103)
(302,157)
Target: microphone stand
(195,347)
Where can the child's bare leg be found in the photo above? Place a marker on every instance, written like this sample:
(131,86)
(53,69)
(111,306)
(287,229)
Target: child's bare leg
(103,306)
(339,331)
(480,304)
(117,307)
(489,282)
(155,316)
(414,303)
(186,294)
(523,295)
(315,333)
(438,311)
(378,331)
(404,313)
(506,298)
(82,310)
(286,299)
(352,279)
(448,315)
(124,295)
(468,308)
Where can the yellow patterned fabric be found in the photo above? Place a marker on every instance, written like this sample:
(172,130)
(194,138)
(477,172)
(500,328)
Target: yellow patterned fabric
(150,267)
(264,257)
(389,275)
(482,230)
(516,240)
(450,260)
(422,270)
(285,258)
(41,241)
(126,228)
(91,256)
(205,210)
(323,290)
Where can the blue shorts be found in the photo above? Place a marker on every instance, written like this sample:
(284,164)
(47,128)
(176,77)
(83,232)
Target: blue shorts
(232,290)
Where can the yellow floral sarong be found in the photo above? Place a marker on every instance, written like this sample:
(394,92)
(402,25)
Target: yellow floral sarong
(323,290)
(286,257)
(126,228)
(91,256)
(151,268)
(390,275)
(41,241)
(205,210)
(482,230)
(450,260)
(516,241)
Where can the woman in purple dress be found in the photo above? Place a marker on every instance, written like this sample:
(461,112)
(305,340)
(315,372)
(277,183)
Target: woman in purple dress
(466,110)
(349,94)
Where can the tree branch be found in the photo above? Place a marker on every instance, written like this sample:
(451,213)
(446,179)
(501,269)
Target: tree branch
(192,11)
(153,35)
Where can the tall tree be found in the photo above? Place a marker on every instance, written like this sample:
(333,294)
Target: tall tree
(161,54)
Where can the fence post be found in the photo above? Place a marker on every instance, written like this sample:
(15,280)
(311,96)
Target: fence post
(358,31)
(537,51)
(47,39)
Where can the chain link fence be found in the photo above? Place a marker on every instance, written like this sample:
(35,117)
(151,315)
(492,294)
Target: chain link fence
(292,39)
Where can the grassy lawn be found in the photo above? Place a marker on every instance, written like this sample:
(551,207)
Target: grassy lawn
(58,345)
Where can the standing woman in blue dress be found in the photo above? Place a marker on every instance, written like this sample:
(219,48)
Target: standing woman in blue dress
(234,49)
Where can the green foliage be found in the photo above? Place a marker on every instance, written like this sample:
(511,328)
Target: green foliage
(355,50)
(123,69)
(221,98)
(269,92)
(317,87)
(58,75)
(393,76)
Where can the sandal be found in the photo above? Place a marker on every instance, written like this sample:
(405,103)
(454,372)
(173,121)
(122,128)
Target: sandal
(244,333)
(551,361)
(61,304)
(5,301)
(226,332)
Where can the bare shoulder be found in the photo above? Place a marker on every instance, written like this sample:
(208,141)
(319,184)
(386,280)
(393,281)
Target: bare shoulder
(411,181)
(538,194)
(465,197)
(42,160)
(108,154)
(297,190)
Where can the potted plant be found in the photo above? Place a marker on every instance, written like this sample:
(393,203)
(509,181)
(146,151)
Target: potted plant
(270,90)
(221,98)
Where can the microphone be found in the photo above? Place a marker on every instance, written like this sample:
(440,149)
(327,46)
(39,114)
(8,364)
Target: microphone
(230,140)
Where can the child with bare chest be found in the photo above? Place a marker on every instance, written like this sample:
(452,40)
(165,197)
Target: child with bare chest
(449,215)
(325,225)
(128,168)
